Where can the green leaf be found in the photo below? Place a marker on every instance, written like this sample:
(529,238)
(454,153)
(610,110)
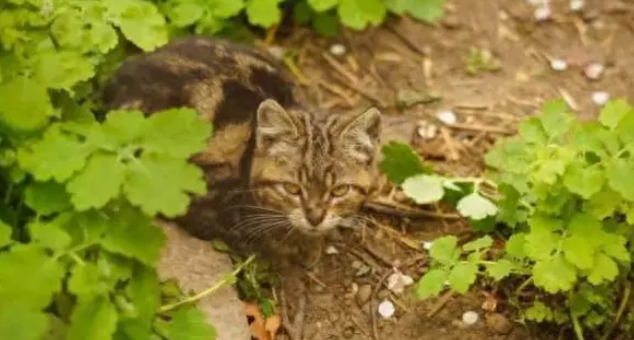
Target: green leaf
(46,197)
(619,174)
(579,251)
(515,246)
(322,5)
(431,283)
(22,322)
(145,292)
(604,203)
(510,155)
(429,11)
(583,180)
(479,244)
(554,274)
(500,269)
(49,235)
(126,126)
(400,162)
(25,104)
(177,133)
(476,207)
(302,13)
(604,270)
(132,234)
(63,69)
(326,23)
(585,137)
(358,14)
(56,156)
(445,250)
(539,312)
(541,242)
(159,185)
(613,111)
(94,319)
(264,13)
(86,282)
(140,22)
(185,13)
(28,276)
(188,324)
(98,183)
(424,189)
(579,305)
(532,131)
(5,234)
(462,276)
(555,118)
(616,247)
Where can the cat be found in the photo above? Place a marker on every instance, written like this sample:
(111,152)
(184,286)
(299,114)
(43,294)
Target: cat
(275,169)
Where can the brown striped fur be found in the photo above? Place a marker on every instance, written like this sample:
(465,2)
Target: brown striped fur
(273,166)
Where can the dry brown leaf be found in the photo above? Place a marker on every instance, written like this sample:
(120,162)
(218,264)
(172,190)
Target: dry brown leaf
(261,329)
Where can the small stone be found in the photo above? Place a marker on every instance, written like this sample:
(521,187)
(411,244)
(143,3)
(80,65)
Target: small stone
(386,309)
(337,49)
(600,97)
(363,295)
(542,13)
(499,323)
(470,318)
(447,117)
(576,5)
(558,64)
(594,71)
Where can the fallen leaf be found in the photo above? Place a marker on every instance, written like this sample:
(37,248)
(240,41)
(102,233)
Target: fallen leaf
(261,329)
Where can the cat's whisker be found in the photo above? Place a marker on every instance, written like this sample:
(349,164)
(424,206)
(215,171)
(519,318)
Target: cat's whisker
(256,219)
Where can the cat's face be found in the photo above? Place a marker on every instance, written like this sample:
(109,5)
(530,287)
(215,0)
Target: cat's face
(313,175)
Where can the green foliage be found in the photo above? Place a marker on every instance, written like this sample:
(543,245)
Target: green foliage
(566,194)
(78,244)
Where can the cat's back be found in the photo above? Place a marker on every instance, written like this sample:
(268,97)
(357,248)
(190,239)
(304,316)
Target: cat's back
(224,81)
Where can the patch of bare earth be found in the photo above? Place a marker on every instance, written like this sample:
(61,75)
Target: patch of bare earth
(411,63)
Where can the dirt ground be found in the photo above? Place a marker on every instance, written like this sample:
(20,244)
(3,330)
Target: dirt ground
(423,69)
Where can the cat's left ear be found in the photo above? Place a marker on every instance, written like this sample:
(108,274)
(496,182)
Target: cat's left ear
(360,134)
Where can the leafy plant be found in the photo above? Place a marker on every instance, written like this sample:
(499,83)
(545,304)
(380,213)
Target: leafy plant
(565,195)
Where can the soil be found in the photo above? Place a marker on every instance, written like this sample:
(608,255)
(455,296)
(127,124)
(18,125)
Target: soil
(407,59)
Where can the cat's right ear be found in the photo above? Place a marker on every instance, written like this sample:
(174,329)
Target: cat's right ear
(275,128)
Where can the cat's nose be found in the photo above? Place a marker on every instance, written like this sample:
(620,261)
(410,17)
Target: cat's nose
(315,216)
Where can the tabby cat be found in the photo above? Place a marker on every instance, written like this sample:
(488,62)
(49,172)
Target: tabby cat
(274,167)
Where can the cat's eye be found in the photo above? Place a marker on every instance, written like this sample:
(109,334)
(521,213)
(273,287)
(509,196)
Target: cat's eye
(340,190)
(292,189)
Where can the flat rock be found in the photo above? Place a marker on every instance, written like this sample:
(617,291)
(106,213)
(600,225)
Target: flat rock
(197,266)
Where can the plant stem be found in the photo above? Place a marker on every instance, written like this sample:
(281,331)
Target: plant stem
(624,300)
(577,327)
(208,291)
(523,285)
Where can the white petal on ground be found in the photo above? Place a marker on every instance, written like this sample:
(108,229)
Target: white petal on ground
(470,317)
(427,245)
(542,13)
(558,64)
(337,49)
(427,130)
(398,281)
(576,5)
(331,250)
(600,97)
(447,117)
(594,71)
(386,309)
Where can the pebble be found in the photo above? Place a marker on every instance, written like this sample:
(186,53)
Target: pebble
(427,130)
(600,97)
(427,245)
(363,295)
(398,281)
(470,318)
(499,323)
(386,309)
